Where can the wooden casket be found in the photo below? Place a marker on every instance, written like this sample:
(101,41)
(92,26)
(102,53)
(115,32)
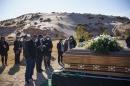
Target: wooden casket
(86,60)
(86,68)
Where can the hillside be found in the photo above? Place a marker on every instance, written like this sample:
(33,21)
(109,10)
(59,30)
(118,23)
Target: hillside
(62,24)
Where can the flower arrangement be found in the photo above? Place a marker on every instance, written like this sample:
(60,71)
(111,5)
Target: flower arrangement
(104,44)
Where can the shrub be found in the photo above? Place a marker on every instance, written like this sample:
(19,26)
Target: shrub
(104,44)
(81,31)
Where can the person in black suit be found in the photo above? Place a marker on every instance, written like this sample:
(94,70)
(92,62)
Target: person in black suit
(30,56)
(66,45)
(4,48)
(39,46)
(60,48)
(17,50)
(49,51)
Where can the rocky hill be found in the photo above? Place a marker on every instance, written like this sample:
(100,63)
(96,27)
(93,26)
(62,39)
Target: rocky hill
(62,24)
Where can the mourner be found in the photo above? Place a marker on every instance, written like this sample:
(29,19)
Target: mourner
(72,42)
(30,56)
(4,48)
(60,48)
(49,50)
(45,51)
(17,49)
(39,59)
(69,43)
(66,45)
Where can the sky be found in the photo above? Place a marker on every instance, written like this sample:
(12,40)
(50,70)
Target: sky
(14,8)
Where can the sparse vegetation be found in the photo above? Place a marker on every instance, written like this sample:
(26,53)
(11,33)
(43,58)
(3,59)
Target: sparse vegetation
(35,17)
(82,32)
(35,23)
(47,20)
(127,32)
(41,19)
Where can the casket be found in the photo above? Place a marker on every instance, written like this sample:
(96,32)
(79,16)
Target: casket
(86,60)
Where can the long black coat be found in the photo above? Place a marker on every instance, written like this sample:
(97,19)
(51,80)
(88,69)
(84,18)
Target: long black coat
(42,49)
(30,49)
(49,45)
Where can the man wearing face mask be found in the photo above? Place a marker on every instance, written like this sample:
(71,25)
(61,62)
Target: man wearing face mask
(30,56)
(17,50)
(49,50)
(39,46)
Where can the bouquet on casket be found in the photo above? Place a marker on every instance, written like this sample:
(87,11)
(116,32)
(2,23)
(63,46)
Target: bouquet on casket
(104,44)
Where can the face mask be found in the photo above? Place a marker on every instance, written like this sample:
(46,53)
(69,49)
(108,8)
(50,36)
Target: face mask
(48,38)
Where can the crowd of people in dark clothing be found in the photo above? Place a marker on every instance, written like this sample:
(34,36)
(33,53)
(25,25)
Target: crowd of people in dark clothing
(35,50)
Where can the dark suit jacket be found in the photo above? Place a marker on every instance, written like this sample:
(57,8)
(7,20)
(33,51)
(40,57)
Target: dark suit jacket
(4,50)
(59,48)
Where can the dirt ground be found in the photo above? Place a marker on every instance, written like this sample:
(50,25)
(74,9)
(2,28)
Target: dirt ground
(13,75)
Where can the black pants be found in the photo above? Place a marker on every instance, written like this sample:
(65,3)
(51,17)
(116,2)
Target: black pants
(49,59)
(39,62)
(4,58)
(60,56)
(17,57)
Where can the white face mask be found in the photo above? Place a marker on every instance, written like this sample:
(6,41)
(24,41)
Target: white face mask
(48,38)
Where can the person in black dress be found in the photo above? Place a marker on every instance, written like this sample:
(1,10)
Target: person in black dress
(72,42)
(4,48)
(17,50)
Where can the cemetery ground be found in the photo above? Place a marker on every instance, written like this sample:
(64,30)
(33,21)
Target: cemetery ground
(13,75)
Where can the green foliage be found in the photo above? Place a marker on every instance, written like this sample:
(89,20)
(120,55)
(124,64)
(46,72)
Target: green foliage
(104,44)
(127,32)
(82,32)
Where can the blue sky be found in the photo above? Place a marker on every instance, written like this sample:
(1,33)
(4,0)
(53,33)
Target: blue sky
(14,8)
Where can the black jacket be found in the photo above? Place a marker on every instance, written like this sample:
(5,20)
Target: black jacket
(49,45)
(41,46)
(72,43)
(4,50)
(66,45)
(59,47)
(30,49)
(17,45)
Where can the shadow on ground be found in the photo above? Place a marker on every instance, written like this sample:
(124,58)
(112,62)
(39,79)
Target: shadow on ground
(43,79)
(2,68)
(14,69)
